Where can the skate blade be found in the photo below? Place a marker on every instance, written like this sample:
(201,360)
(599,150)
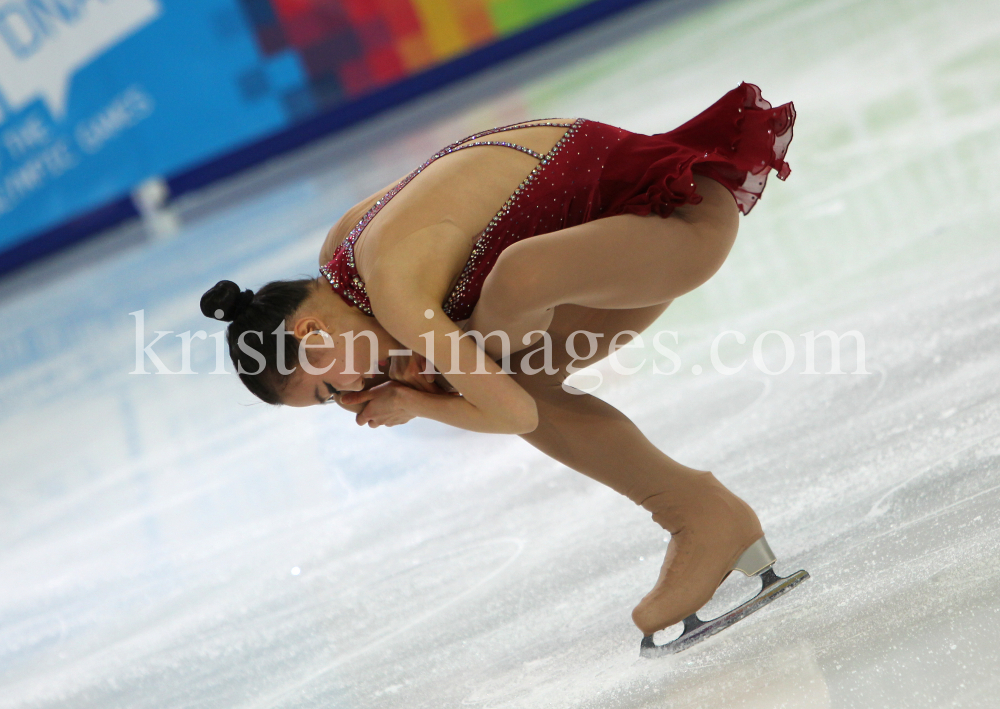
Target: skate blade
(696,629)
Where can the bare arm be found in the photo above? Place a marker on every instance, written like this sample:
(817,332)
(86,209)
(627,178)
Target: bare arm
(490,402)
(403,292)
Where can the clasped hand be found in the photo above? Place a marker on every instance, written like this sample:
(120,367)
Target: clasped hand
(388,404)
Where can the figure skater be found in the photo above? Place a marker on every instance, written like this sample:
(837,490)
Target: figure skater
(535,230)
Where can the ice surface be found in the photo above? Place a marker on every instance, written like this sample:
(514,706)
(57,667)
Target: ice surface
(165,543)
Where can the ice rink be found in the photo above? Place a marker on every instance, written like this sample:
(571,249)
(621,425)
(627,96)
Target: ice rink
(167,542)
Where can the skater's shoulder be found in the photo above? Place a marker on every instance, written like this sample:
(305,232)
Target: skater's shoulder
(345,225)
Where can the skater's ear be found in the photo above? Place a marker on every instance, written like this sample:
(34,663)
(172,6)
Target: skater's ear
(306,324)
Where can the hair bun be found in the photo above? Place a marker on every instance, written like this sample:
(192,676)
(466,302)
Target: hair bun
(224,301)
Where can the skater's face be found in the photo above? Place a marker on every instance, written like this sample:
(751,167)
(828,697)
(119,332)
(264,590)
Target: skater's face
(329,364)
(338,348)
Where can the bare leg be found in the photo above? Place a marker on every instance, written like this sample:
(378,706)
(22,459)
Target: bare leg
(621,262)
(710,527)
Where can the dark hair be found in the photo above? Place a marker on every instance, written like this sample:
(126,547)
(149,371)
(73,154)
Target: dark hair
(260,314)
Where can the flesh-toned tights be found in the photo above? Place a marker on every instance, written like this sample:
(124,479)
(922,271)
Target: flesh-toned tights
(608,276)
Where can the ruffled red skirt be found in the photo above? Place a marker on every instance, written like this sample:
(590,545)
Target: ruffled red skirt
(737,141)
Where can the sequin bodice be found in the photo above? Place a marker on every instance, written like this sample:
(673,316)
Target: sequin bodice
(596,170)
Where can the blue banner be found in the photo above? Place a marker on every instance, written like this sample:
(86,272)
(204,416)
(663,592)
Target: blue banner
(98,95)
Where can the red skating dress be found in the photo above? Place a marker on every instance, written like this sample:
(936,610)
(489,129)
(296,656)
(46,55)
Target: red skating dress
(597,171)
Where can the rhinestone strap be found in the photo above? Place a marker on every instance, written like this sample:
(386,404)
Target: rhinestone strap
(515,126)
(529,151)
